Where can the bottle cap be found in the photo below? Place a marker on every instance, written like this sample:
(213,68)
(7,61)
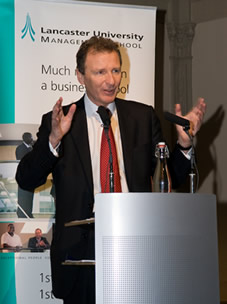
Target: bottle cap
(161,144)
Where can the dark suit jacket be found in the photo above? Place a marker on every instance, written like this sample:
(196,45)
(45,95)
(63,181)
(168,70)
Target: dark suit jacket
(22,150)
(33,241)
(72,175)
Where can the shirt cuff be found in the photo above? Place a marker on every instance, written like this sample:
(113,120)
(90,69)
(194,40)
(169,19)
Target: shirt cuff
(55,150)
(187,154)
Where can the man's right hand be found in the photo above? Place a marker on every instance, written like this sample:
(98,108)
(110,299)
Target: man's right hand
(60,123)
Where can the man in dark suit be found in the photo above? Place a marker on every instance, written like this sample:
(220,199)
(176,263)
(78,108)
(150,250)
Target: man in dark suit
(25,198)
(68,146)
(25,146)
(38,243)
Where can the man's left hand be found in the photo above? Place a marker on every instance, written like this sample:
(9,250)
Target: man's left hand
(195,116)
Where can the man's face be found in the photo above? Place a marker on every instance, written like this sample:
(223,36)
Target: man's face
(102,77)
(38,233)
(11,229)
(29,141)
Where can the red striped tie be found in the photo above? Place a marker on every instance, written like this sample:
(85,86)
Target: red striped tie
(105,163)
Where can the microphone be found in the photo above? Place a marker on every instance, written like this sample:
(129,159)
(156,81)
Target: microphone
(104,116)
(177,120)
(102,111)
(185,123)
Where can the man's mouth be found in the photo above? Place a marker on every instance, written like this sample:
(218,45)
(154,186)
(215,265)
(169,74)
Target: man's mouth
(110,91)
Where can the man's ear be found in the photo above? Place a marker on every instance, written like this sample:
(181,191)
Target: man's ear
(80,77)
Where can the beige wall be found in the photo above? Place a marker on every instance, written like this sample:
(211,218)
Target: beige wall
(7,153)
(210,80)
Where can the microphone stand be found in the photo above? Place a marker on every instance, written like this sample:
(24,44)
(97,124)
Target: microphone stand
(104,114)
(192,174)
(111,174)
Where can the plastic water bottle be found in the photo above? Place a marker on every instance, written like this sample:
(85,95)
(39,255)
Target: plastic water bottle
(161,181)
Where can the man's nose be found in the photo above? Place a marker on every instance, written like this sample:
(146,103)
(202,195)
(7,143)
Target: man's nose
(110,78)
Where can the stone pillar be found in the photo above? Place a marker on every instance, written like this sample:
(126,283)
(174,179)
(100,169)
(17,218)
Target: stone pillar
(180,31)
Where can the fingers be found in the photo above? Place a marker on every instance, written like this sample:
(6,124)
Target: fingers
(57,109)
(178,109)
(200,108)
(178,112)
(192,128)
(58,104)
(195,116)
(71,111)
(56,132)
(201,103)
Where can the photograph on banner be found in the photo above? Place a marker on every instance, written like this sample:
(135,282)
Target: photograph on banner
(25,261)
(25,235)
(15,142)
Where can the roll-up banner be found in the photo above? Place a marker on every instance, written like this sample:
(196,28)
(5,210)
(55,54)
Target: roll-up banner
(38,45)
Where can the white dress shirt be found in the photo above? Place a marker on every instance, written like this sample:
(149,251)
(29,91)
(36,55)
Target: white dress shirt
(95,128)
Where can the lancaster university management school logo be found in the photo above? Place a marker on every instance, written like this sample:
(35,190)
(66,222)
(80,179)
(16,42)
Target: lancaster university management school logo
(28,29)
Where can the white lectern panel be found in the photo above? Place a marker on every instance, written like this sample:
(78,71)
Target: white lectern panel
(154,248)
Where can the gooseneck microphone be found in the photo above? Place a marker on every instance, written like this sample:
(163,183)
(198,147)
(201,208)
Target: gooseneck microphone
(177,120)
(102,111)
(185,123)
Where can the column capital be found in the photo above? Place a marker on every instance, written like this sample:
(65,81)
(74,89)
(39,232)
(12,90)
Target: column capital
(180,37)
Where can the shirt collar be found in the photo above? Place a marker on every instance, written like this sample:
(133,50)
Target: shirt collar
(91,108)
(28,146)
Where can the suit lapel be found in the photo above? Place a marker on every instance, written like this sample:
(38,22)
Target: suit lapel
(128,131)
(79,133)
